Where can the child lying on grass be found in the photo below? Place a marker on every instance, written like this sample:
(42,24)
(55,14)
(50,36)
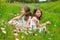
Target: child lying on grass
(34,21)
(25,19)
(20,21)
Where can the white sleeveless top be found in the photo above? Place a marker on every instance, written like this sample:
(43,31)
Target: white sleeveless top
(24,22)
(32,25)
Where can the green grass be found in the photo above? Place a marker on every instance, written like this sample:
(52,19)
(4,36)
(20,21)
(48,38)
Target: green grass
(51,12)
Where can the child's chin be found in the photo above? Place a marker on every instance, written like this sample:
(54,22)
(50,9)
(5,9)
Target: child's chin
(38,16)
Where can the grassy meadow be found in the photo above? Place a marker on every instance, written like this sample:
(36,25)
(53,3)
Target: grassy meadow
(51,12)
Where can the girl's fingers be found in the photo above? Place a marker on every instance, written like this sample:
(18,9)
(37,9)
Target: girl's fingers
(48,22)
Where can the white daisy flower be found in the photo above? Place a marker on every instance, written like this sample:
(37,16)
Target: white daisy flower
(3,30)
(29,32)
(16,34)
(26,33)
(17,39)
(22,37)
(35,34)
(2,20)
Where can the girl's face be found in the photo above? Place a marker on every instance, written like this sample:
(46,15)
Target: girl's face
(38,13)
(22,10)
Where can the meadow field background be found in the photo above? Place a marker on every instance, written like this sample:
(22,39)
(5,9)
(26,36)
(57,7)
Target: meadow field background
(51,12)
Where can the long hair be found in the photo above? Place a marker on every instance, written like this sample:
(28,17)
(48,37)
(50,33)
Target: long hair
(27,10)
(39,18)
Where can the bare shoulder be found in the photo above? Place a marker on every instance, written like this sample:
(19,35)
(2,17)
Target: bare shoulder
(35,19)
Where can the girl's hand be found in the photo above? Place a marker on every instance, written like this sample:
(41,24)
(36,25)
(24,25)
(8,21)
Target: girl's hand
(48,22)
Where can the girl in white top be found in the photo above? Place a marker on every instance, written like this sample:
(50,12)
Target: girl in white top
(34,21)
(20,21)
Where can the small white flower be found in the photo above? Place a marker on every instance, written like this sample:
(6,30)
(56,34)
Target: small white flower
(35,34)
(2,20)
(22,37)
(26,33)
(17,39)
(30,32)
(40,30)
(3,30)
(16,34)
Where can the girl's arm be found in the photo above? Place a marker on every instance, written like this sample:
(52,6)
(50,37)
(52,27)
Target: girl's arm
(46,23)
(12,21)
(28,23)
(18,17)
(40,25)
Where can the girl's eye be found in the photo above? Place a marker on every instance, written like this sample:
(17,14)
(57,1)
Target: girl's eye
(38,12)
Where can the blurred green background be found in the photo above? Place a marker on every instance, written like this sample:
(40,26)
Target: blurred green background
(51,12)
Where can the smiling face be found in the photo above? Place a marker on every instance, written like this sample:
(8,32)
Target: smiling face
(38,13)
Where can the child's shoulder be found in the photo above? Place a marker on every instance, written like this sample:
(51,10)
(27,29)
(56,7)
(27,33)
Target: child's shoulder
(34,18)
